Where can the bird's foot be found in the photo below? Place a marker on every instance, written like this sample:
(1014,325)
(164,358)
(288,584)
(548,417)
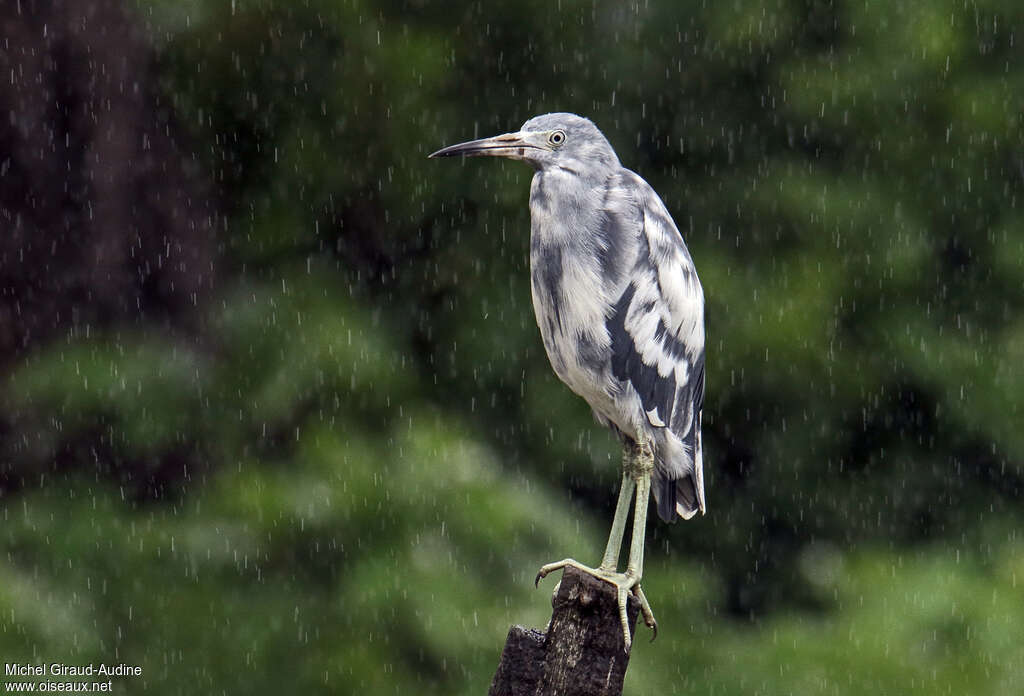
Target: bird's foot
(624,583)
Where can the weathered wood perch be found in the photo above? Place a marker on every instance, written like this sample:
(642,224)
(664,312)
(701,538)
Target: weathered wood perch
(582,653)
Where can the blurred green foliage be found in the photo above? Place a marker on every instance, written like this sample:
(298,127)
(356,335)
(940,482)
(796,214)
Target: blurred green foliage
(348,483)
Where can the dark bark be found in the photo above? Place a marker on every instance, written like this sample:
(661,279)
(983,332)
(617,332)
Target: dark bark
(582,653)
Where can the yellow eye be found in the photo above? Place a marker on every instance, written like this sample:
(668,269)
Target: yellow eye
(557,137)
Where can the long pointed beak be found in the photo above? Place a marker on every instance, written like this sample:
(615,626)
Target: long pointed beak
(513,145)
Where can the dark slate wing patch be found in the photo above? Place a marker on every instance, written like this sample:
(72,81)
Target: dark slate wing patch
(689,402)
(672,345)
(698,392)
(656,393)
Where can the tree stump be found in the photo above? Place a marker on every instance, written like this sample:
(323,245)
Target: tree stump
(582,653)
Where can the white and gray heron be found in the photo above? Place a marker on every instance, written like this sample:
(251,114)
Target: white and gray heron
(621,313)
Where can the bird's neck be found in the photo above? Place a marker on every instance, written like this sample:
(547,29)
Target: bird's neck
(564,204)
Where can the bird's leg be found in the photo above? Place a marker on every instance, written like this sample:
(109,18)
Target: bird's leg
(640,469)
(610,561)
(637,465)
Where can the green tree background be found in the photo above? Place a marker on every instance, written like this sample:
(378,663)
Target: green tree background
(310,441)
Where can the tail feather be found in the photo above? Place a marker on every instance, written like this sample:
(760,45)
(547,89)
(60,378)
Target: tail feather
(687,502)
(678,482)
(664,490)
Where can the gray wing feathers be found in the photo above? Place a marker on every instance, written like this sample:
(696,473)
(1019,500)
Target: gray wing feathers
(657,342)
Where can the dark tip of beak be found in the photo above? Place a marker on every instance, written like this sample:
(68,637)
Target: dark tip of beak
(467,149)
(507,145)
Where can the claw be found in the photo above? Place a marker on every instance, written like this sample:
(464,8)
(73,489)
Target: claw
(624,584)
(545,570)
(645,609)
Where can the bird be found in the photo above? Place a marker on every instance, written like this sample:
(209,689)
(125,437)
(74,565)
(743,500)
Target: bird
(621,314)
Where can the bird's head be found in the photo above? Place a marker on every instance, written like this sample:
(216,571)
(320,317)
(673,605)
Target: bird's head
(564,141)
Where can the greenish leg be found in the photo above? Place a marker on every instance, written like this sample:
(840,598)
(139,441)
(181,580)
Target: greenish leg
(636,548)
(637,465)
(614,547)
(635,566)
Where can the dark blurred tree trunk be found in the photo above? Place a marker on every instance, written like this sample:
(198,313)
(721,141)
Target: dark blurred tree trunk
(582,653)
(105,221)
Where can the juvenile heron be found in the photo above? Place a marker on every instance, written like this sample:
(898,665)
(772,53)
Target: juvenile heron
(621,313)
